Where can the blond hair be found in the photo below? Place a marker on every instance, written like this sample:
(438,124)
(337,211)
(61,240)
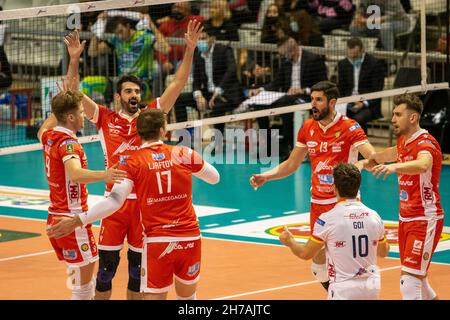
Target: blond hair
(66,102)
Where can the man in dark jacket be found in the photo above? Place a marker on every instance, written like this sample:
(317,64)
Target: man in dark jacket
(299,71)
(361,73)
(215,85)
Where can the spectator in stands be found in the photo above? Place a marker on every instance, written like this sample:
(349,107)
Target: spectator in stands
(5,67)
(215,86)
(257,66)
(284,7)
(240,12)
(332,14)
(361,73)
(175,26)
(273,24)
(299,71)
(304,29)
(135,49)
(219,23)
(393,20)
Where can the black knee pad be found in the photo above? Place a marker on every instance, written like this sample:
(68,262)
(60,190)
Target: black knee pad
(134,270)
(108,263)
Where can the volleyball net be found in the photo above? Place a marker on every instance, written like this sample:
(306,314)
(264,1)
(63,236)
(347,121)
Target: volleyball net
(247,49)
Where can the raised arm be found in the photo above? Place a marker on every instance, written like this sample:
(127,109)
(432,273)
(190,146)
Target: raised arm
(75,49)
(174,89)
(48,124)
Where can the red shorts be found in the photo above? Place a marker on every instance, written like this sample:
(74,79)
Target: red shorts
(125,222)
(417,241)
(77,249)
(162,261)
(316,211)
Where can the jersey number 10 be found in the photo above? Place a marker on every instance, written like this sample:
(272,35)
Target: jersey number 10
(362,247)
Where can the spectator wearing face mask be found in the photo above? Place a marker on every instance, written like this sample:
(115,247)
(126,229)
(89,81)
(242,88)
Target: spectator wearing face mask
(305,30)
(175,26)
(273,23)
(216,87)
(361,73)
(298,72)
(219,22)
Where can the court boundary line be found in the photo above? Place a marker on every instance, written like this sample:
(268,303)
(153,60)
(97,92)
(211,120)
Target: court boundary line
(210,238)
(299,284)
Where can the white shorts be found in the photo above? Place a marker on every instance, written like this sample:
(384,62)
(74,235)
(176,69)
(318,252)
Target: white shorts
(354,289)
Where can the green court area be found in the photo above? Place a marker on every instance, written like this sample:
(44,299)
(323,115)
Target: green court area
(10,235)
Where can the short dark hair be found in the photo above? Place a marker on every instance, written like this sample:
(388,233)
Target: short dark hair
(149,123)
(329,88)
(347,179)
(64,103)
(354,42)
(411,101)
(128,78)
(114,22)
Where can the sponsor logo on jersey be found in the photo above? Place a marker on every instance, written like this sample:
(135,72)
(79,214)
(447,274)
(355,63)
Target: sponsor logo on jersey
(426,256)
(50,142)
(70,148)
(417,247)
(425,141)
(403,195)
(326,178)
(158,156)
(192,270)
(354,127)
(84,247)
(123,158)
(311,144)
(337,134)
(320,222)
(323,165)
(142,272)
(339,244)
(356,216)
(427,194)
(410,260)
(406,183)
(69,254)
(126,145)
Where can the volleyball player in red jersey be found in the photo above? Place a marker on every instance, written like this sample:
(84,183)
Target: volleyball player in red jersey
(67,175)
(162,177)
(118,134)
(417,161)
(329,138)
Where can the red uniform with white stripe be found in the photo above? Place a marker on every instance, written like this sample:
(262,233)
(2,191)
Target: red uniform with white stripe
(328,146)
(67,198)
(118,135)
(421,214)
(162,177)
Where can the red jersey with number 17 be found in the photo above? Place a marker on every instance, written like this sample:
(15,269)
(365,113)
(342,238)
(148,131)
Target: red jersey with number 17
(118,134)
(66,197)
(328,146)
(162,177)
(419,193)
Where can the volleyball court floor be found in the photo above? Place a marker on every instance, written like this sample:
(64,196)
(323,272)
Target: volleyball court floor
(242,257)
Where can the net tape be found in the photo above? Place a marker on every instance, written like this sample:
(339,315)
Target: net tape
(255,114)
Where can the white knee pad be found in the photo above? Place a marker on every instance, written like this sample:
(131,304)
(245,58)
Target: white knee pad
(410,287)
(84,292)
(427,291)
(320,272)
(193,297)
